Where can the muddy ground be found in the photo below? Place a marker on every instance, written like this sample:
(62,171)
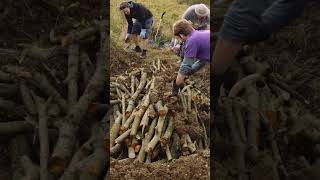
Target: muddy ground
(194,166)
(293,54)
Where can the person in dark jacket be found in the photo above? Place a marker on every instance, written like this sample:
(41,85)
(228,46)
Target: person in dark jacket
(247,22)
(140,20)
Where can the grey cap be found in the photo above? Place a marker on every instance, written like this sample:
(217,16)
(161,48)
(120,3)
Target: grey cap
(202,10)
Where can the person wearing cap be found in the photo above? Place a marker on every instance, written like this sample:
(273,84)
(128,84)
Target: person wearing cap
(247,22)
(199,15)
(140,27)
(196,51)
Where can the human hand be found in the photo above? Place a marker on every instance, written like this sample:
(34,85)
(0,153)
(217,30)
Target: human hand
(127,38)
(143,33)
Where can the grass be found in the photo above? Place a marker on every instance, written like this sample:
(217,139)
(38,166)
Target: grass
(173,8)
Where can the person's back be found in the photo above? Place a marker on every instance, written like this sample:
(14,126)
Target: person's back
(199,15)
(200,39)
(139,12)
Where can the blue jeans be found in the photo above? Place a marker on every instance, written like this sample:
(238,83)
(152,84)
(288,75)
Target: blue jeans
(137,26)
(190,66)
(251,21)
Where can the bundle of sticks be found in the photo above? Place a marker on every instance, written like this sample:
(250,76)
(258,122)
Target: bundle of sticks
(144,127)
(259,111)
(52,119)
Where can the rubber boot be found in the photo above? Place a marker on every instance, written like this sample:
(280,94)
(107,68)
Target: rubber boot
(137,49)
(143,54)
(176,88)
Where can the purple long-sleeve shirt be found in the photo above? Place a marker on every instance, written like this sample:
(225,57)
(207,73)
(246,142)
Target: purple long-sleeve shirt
(198,45)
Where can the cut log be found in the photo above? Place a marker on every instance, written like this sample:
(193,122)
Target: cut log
(15,127)
(83,152)
(243,83)
(73,71)
(165,139)
(28,101)
(129,121)
(161,120)
(65,144)
(168,153)
(141,86)
(63,149)
(43,84)
(85,68)
(36,52)
(146,140)
(122,137)
(114,132)
(76,36)
(145,119)
(139,115)
(130,108)
(43,136)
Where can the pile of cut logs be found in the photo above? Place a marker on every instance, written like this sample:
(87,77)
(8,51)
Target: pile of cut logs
(52,120)
(144,127)
(259,114)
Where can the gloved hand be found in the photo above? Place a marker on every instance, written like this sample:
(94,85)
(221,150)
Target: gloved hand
(127,38)
(143,33)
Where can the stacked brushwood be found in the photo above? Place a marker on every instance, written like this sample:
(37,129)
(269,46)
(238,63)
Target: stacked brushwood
(52,121)
(261,121)
(143,126)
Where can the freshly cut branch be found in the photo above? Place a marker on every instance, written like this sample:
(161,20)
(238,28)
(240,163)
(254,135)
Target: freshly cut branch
(142,83)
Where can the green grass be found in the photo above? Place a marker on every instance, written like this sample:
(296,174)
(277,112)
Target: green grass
(173,9)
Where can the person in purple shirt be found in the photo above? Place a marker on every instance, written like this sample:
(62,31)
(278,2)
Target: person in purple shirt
(196,52)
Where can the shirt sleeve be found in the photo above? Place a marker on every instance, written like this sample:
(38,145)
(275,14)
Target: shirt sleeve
(191,49)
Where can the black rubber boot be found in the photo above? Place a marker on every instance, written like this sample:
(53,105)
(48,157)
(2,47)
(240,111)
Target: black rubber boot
(137,49)
(143,54)
(175,88)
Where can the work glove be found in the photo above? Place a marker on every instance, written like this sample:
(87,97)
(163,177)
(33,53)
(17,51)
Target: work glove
(127,38)
(143,33)
(176,48)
